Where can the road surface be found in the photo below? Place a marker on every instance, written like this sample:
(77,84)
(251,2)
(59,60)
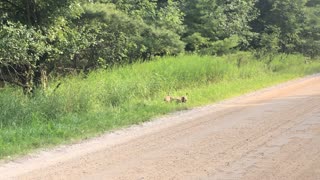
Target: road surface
(270,134)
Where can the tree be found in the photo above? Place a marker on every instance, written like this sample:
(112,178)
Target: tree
(42,32)
(310,45)
(20,48)
(287,15)
(218,20)
(147,30)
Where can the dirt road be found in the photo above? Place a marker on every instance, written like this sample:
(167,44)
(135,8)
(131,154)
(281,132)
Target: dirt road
(270,134)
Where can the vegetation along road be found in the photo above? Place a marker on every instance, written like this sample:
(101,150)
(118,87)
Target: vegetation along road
(73,70)
(270,134)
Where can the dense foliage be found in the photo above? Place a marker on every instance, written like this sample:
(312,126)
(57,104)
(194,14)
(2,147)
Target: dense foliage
(38,37)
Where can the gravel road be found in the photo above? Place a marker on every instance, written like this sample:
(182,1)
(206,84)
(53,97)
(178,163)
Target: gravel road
(270,134)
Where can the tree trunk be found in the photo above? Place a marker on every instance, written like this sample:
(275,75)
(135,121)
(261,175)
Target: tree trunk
(2,84)
(40,78)
(28,80)
(32,16)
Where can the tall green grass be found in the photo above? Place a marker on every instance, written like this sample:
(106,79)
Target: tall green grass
(88,105)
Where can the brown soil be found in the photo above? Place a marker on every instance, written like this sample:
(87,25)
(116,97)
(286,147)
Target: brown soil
(269,134)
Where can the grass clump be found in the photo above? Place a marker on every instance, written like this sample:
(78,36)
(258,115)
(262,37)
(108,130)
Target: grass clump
(118,97)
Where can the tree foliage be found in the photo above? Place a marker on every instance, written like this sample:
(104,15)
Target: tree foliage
(39,37)
(310,44)
(292,24)
(218,20)
(33,35)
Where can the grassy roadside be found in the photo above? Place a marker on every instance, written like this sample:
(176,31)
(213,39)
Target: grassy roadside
(109,99)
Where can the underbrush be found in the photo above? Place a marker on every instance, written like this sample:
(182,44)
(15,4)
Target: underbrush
(88,105)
